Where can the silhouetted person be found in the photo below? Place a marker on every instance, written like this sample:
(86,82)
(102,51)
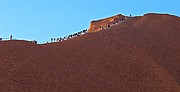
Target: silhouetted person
(130,15)
(10,37)
(60,39)
(57,39)
(108,26)
(51,39)
(123,19)
(84,31)
(35,41)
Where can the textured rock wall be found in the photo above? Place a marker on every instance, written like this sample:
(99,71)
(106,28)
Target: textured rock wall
(96,25)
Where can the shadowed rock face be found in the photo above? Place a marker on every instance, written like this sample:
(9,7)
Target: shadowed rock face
(139,55)
(95,25)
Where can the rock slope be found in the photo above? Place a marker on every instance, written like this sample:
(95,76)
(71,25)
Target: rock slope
(141,54)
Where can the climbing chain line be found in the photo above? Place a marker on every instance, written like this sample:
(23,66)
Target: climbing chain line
(154,46)
(162,56)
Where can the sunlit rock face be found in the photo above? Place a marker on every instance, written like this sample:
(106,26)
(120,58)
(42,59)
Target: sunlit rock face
(98,25)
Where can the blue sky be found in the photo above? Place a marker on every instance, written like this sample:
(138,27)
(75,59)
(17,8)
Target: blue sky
(44,19)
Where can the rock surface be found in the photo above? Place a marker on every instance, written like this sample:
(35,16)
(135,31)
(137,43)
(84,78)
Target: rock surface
(96,25)
(140,55)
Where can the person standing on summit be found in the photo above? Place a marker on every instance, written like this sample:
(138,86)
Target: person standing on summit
(10,37)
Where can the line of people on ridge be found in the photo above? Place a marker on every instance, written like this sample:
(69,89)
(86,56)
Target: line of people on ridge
(69,36)
(113,24)
(11,38)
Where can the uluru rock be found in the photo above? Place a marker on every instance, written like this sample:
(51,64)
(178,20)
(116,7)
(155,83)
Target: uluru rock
(141,54)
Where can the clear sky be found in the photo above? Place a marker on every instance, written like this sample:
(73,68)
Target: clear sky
(44,19)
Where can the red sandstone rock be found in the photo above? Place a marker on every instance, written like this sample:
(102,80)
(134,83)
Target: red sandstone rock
(140,55)
(96,25)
